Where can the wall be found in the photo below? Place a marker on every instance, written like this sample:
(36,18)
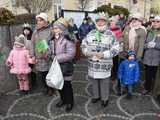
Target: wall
(7,33)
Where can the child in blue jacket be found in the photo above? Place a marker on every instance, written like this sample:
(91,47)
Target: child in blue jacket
(128,72)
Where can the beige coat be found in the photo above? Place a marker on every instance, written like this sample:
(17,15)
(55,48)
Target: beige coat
(43,63)
(139,42)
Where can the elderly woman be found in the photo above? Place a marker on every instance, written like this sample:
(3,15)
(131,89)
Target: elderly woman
(151,57)
(64,49)
(100,46)
(117,32)
(134,36)
(41,36)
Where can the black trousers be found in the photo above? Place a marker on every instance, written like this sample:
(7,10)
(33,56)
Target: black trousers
(150,75)
(66,94)
(41,80)
(32,78)
(115,67)
(119,84)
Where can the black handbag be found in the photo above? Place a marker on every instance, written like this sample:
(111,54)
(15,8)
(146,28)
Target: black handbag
(67,68)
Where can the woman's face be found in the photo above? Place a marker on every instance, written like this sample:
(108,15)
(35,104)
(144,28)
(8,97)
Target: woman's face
(136,22)
(101,23)
(112,24)
(26,32)
(41,23)
(56,30)
(84,21)
(156,24)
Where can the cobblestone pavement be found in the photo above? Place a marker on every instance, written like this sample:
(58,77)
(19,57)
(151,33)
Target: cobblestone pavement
(37,106)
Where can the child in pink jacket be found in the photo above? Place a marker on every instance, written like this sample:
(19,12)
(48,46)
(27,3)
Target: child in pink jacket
(18,61)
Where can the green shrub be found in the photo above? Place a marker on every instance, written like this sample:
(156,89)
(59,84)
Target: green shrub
(6,16)
(24,18)
(112,11)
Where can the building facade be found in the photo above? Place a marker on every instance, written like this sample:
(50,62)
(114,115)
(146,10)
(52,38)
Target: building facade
(142,6)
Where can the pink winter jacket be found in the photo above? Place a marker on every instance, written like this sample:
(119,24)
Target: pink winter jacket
(19,61)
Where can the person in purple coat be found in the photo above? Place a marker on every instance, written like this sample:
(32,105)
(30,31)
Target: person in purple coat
(64,50)
(128,73)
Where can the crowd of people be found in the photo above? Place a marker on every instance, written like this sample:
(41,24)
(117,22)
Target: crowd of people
(116,49)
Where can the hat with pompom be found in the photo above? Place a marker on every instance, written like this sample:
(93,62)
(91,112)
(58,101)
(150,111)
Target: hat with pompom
(61,23)
(131,52)
(20,40)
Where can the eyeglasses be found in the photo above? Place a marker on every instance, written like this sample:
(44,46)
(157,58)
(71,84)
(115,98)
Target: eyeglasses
(135,19)
(156,21)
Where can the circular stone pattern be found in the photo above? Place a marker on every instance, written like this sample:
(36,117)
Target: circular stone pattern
(25,116)
(146,116)
(109,117)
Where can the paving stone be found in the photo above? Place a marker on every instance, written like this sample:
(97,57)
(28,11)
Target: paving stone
(37,106)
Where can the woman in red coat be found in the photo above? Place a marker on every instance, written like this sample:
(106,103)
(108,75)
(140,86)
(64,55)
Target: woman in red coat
(117,32)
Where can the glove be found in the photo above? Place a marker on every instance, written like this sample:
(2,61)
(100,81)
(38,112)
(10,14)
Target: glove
(99,55)
(151,44)
(90,54)
(32,60)
(8,63)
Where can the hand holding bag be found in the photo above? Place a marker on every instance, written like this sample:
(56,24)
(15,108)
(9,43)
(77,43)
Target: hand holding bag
(54,77)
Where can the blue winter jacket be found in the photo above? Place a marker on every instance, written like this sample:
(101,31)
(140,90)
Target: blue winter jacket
(84,29)
(128,72)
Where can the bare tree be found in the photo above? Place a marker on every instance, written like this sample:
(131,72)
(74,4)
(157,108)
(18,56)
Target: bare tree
(82,4)
(35,6)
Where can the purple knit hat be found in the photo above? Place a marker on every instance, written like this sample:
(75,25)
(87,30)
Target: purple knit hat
(59,25)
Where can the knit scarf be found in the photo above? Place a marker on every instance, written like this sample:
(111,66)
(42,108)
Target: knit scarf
(133,35)
(98,36)
(153,32)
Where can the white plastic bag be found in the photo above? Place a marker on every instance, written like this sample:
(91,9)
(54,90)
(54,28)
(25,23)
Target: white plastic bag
(54,77)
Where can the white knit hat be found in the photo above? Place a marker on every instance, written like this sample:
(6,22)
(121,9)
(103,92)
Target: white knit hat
(137,15)
(44,16)
(157,17)
(102,16)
